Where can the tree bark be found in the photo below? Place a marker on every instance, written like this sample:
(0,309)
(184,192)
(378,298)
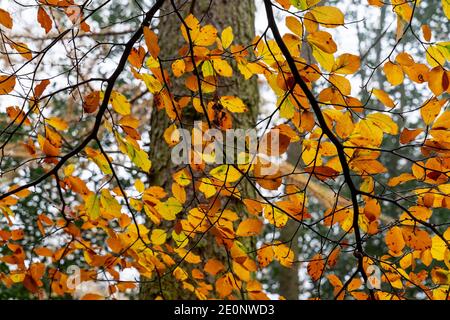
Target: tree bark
(220,13)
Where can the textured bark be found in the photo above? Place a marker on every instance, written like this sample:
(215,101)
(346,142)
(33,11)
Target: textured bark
(220,13)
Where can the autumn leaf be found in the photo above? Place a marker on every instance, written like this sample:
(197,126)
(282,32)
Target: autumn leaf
(22,49)
(44,20)
(169,209)
(233,104)
(158,236)
(227,37)
(5,19)
(120,103)
(151,40)
(394,240)
(384,98)
(249,227)
(92,205)
(430,110)
(346,64)
(7,84)
(323,41)
(330,17)
(316,267)
(226,173)
(213,267)
(394,73)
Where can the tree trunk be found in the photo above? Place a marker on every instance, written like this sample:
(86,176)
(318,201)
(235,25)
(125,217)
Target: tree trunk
(220,13)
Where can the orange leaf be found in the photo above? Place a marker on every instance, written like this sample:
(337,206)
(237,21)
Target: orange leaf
(136,57)
(333,257)
(408,135)
(151,40)
(249,227)
(430,110)
(7,84)
(383,97)
(394,240)
(265,255)
(44,20)
(213,267)
(5,19)
(316,267)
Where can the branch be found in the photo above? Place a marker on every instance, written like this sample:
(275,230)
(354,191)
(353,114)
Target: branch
(359,253)
(98,119)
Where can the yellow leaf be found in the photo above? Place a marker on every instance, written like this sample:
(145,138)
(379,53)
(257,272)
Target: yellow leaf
(207,187)
(249,227)
(265,255)
(99,160)
(303,4)
(341,83)
(92,206)
(446,8)
(330,17)
(326,60)
(275,216)
(283,254)
(180,239)
(17,277)
(152,63)
(153,85)
(110,204)
(182,177)
(172,135)
(233,104)
(139,185)
(227,37)
(438,246)
(294,25)
(384,98)
(57,123)
(207,36)
(178,67)
(225,172)
(384,122)
(120,103)
(222,67)
(138,157)
(169,209)
(394,73)
(435,57)
(443,122)
(430,110)
(158,236)
(178,192)
(207,69)
(69,170)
